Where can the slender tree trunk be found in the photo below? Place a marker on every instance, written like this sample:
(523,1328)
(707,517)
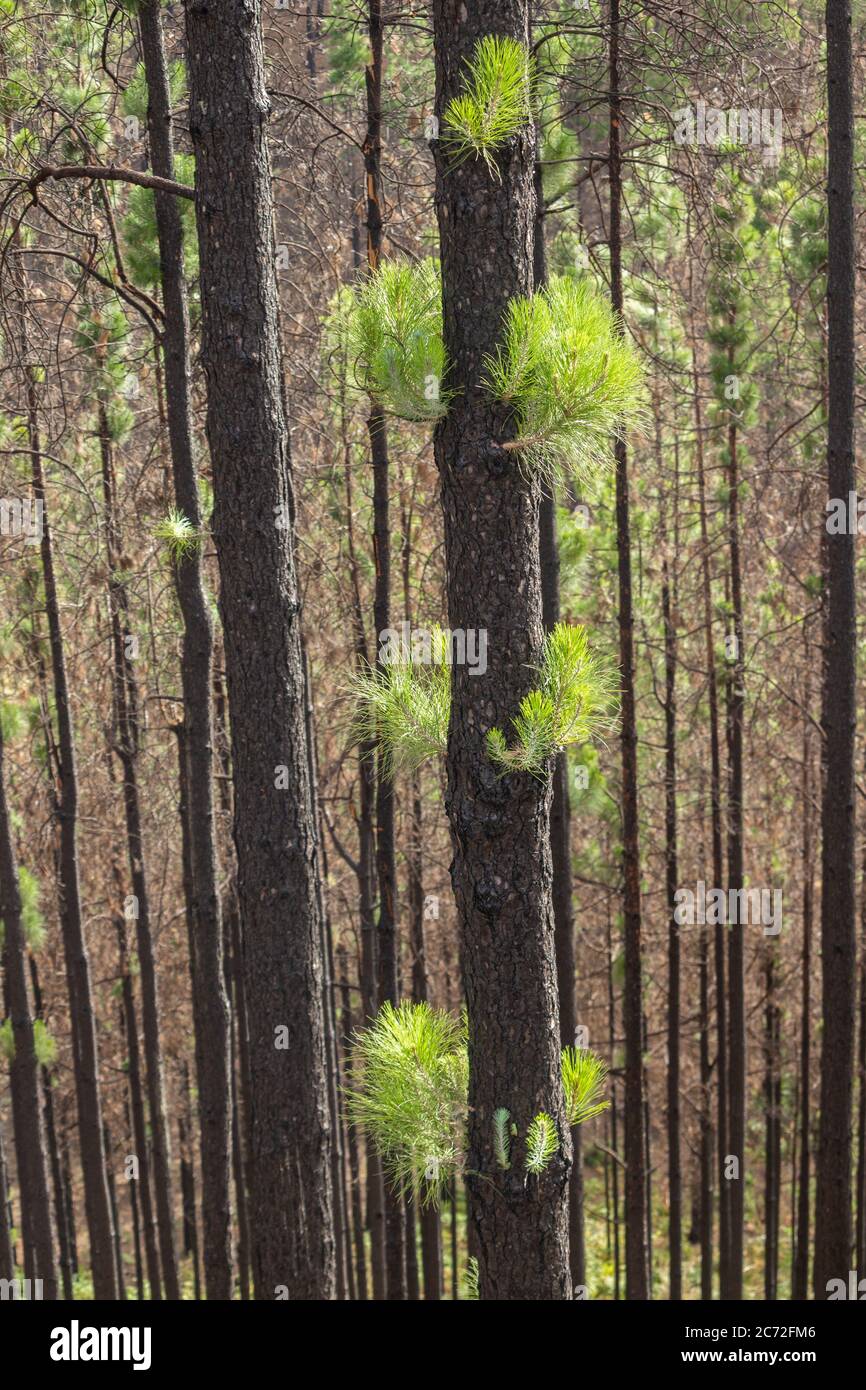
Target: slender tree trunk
(128,742)
(290,1179)
(833,1233)
(802,1241)
(7,1254)
(85,1054)
(675,1231)
(718,870)
(735,832)
(637,1287)
(36,1221)
(501,870)
(61,1220)
(139,1126)
(560,817)
(386,870)
(210,1005)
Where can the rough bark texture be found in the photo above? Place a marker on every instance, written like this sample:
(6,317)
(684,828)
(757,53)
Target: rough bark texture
(36,1221)
(635,1177)
(501,869)
(290,1178)
(210,1004)
(833,1234)
(85,1054)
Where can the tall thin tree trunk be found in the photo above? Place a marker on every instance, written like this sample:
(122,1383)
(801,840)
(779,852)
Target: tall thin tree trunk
(637,1286)
(36,1220)
(501,869)
(675,1232)
(718,868)
(210,1005)
(139,1126)
(735,832)
(290,1179)
(833,1233)
(127,747)
(84,1050)
(802,1241)
(560,816)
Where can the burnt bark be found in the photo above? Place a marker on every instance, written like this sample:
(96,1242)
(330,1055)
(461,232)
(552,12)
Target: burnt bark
(210,1004)
(290,1177)
(37,1226)
(501,869)
(833,1233)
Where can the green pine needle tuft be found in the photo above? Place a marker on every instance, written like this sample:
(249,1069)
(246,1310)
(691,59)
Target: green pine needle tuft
(496,104)
(394,336)
(573,380)
(408,1092)
(572,703)
(178,534)
(542,1142)
(403,708)
(583,1078)
(502,1137)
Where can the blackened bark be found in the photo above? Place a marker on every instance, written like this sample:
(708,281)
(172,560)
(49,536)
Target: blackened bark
(716,832)
(560,815)
(833,1234)
(802,1239)
(675,1218)
(36,1221)
(386,865)
(85,1054)
(635,1177)
(736,980)
(210,1005)
(501,870)
(127,747)
(139,1126)
(290,1178)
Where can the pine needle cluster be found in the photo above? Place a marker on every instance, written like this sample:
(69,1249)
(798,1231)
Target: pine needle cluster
(572,378)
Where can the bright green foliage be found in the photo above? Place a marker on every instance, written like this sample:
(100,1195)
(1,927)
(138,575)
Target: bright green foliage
(573,380)
(395,338)
(542,1142)
(572,703)
(583,1080)
(141,246)
(44,1046)
(32,921)
(410,1075)
(497,101)
(470,1280)
(179,535)
(502,1137)
(409,1091)
(404,707)
(7,1040)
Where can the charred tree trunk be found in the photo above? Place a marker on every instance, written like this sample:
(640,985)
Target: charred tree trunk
(637,1286)
(290,1179)
(501,869)
(210,1005)
(833,1233)
(37,1227)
